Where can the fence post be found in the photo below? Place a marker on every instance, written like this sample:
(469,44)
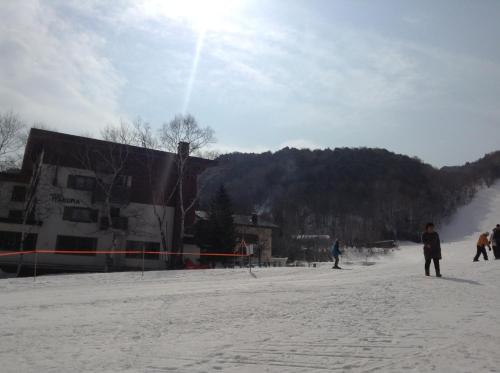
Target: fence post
(36,263)
(142,275)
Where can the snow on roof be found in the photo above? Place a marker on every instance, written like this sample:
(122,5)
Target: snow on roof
(311,237)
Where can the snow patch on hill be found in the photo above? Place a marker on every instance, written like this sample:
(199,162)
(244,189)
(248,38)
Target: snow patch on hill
(481,215)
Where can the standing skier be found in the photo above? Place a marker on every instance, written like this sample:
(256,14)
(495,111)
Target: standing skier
(336,253)
(432,249)
(495,241)
(481,246)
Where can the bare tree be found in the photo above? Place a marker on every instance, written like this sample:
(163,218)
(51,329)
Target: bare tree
(12,140)
(108,163)
(137,133)
(140,134)
(181,136)
(143,135)
(184,136)
(122,134)
(162,193)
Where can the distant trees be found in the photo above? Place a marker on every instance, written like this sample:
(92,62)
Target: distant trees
(358,195)
(12,140)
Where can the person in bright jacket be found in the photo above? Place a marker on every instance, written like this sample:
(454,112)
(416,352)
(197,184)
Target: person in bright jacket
(432,249)
(481,246)
(336,253)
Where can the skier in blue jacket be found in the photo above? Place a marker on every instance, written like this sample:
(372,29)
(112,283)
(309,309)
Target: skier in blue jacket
(336,253)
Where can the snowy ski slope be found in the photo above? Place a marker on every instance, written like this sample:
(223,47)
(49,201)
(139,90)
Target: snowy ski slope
(387,317)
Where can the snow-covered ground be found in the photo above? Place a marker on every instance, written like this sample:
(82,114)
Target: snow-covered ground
(386,317)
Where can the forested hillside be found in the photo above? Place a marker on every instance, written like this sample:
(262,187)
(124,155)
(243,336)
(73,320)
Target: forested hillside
(358,195)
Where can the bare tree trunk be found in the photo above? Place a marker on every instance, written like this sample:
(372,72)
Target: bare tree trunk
(30,202)
(180,249)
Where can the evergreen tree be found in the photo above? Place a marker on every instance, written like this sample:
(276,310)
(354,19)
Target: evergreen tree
(221,232)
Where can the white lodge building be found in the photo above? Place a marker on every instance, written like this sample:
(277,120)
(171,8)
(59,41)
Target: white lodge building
(84,195)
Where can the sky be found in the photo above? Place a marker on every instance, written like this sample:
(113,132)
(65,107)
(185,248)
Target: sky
(416,77)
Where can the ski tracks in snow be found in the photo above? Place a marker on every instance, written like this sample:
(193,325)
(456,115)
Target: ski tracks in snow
(382,318)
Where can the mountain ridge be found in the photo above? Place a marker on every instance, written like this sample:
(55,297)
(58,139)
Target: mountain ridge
(357,194)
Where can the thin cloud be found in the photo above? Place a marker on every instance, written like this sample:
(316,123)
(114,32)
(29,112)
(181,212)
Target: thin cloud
(262,77)
(55,72)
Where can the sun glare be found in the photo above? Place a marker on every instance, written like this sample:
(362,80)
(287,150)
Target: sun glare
(202,15)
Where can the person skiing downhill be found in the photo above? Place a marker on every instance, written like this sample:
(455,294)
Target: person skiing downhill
(481,246)
(336,253)
(432,249)
(495,241)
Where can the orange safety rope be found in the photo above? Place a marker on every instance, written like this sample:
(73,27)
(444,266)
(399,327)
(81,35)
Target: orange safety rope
(80,252)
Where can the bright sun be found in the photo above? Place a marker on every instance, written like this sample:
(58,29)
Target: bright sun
(203,15)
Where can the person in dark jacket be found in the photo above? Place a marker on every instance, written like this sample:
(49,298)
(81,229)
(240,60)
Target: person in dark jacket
(336,253)
(432,249)
(495,241)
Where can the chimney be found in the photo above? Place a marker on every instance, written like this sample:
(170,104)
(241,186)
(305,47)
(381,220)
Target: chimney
(183,149)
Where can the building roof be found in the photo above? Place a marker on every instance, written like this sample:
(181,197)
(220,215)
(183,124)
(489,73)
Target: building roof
(55,142)
(151,170)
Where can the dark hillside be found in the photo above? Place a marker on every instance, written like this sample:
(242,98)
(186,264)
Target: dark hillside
(359,195)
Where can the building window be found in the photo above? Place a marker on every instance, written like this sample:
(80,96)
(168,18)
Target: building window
(18,193)
(146,246)
(11,241)
(116,192)
(81,182)
(87,245)
(80,214)
(16,216)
